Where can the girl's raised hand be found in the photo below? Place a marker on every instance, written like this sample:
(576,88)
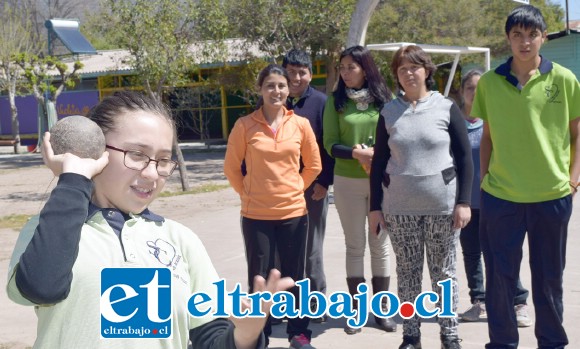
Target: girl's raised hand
(70,163)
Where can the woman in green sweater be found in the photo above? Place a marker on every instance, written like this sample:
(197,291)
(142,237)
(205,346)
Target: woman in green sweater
(349,123)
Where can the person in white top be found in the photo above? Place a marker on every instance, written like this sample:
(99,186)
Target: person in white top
(97,217)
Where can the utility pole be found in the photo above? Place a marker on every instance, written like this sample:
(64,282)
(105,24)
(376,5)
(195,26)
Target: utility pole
(567,20)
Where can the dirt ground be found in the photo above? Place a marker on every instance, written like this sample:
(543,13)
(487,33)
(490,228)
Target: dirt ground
(214,217)
(25,182)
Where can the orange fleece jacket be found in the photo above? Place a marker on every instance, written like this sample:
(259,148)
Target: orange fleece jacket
(273,187)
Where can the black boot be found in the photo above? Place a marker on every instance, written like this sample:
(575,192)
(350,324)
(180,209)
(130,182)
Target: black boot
(450,342)
(314,307)
(352,289)
(381,283)
(410,343)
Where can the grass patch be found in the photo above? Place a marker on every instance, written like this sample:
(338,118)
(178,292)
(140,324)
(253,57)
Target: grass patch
(205,188)
(14,221)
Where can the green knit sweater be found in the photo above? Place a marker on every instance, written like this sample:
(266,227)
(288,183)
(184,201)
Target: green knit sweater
(350,127)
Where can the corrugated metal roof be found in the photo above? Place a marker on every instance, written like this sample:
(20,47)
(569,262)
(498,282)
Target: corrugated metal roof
(104,62)
(117,61)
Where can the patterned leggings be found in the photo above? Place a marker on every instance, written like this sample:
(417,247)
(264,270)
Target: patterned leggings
(410,237)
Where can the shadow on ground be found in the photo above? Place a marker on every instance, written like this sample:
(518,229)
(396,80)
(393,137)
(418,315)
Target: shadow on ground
(20,161)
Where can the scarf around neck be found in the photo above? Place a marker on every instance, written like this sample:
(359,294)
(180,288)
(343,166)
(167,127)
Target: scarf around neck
(361,97)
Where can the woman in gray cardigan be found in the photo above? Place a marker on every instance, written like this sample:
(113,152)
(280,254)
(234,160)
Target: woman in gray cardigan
(423,159)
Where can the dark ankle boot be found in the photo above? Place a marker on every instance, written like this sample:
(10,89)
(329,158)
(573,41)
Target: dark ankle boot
(410,342)
(352,289)
(450,342)
(381,283)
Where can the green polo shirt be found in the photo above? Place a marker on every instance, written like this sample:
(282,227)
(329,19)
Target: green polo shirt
(530,132)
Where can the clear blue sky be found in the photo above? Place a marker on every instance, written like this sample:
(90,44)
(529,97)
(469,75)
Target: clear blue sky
(573,8)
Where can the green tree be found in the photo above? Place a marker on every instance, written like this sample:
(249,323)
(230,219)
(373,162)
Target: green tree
(275,26)
(491,31)
(15,38)
(450,22)
(158,35)
(162,37)
(47,77)
(97,29)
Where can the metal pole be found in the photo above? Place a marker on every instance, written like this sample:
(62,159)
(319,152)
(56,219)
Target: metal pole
(567,20)
(487,60)
(451,75)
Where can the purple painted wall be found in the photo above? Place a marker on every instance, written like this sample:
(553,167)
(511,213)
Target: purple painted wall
(27,115)
(69,103)
(76,103)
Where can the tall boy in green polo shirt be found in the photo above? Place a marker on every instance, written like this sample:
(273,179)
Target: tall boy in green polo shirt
(530,165)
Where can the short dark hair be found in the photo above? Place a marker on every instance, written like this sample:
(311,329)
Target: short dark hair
(374,80)
(526,16)
(415,55)
(299,58)
(107,111)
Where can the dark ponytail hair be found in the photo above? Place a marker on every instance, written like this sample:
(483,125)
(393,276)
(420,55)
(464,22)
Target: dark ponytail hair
(270,69)
(108,110)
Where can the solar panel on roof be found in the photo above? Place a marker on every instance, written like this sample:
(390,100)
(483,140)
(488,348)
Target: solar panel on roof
(68,32)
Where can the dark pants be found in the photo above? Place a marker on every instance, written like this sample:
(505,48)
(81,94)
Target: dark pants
(471,249)
(288,236)
(317,210)
(503,228)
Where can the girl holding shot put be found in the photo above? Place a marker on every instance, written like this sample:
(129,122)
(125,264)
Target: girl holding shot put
(97,217)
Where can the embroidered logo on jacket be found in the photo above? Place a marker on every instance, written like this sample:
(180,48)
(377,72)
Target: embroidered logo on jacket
(163,251)
(552,92)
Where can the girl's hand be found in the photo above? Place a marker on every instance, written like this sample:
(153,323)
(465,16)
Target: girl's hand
(248,329)
(70,163)
(461,216)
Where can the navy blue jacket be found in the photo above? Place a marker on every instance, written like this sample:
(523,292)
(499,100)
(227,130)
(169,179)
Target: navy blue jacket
(311,106)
